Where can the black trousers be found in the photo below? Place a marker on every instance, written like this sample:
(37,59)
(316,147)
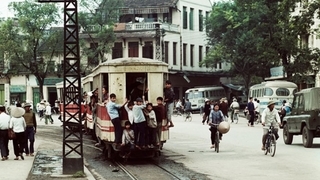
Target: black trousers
(19,143)
(4,143)
(251,117)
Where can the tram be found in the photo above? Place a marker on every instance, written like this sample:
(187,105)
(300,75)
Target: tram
(276,91)
(59,87)
(127,78)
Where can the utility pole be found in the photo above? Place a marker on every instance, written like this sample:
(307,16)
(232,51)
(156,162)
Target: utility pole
(72,140)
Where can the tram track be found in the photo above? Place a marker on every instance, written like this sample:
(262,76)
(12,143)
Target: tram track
(134,169)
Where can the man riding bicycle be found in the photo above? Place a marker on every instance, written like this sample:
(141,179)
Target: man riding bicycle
(269,116)
(234,106)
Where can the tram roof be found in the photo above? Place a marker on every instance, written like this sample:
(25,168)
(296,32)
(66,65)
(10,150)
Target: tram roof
(131,62)
(277,83)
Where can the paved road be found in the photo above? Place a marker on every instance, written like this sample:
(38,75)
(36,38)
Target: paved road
(240,155)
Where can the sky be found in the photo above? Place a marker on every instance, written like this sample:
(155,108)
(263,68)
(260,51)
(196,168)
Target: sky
(4,10)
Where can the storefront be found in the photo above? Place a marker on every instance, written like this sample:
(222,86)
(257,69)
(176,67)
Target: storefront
(17,93)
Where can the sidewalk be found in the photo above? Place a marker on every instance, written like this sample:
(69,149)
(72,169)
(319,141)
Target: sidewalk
(46,163)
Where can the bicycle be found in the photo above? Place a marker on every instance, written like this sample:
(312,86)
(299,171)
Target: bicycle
(236,116)
(176,112)
(270,145)
(188,116)
(257,118)
(217,138)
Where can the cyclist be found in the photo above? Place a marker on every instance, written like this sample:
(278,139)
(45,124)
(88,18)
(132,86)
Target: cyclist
(234,106)
(179,107)
(269,115)
(216,117)
(187,106)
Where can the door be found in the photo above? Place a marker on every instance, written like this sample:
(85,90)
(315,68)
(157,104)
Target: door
(2,97)
(36,97)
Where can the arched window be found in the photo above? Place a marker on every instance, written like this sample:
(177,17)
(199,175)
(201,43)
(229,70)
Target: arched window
(268,92)
(282,92)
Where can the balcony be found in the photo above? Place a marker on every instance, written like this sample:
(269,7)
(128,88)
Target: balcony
(145,26)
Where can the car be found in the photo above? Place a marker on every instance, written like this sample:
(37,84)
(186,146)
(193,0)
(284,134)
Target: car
(304,118)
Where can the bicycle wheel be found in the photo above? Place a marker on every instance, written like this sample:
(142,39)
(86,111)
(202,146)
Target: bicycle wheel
(175,113)
(273,145)
(189,117)
(216,143)
(267,145)
(236,118)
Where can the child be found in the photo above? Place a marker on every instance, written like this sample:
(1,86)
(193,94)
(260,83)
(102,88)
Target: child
(127,139)
(216,117)
(112,109)
(152,125)
(128,108)
(160,112)
(139,123)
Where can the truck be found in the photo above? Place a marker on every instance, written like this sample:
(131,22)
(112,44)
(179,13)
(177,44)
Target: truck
(304,118)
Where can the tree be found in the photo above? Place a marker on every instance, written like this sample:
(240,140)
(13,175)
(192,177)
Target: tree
(255,35)
(22,36)
(97,23)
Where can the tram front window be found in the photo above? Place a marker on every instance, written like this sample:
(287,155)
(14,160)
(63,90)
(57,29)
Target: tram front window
(136,85)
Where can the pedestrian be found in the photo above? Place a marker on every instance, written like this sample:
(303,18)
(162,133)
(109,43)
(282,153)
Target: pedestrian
(206,109)
(140,123)
(187,106)
(31,129)
(169,100)
(127,139)
(151,126)
(18,125)
(224,106)
(48,112)
(56,106)
(161,113)
(42,109)
(128,108)
(113,111)
(216,117)
(105,94)
(4,126)
(251,109)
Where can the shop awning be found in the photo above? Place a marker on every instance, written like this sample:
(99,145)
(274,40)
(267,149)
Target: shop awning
(17,89)
(51,81)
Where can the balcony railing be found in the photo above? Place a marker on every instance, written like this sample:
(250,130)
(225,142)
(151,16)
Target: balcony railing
(147,26)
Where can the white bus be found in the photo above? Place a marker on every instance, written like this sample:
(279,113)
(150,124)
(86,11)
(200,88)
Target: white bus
(198,95)
(276,91)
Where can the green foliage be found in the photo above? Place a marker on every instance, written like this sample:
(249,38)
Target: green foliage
(97,22)
(22,37)
(255,35)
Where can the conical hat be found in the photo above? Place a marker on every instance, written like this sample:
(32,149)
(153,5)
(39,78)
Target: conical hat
(17,112)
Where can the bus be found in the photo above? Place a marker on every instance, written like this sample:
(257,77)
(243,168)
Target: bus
(276,91)
(198,95)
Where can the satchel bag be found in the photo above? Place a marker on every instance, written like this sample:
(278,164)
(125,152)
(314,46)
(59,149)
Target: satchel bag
(11,134)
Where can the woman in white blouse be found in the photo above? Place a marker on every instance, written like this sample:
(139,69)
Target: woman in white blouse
(18,125)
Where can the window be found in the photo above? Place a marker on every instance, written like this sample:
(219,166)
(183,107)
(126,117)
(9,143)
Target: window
(301,102)
(207,17)
(147,50)
(268,92)
(184,54)
(133,49)
(200,20)
(117,50)
(200,55)
(185,17)
(282,92)
(191,19)
(191,55)
(166,51)
(218,65)
(167,18)
(93,56)
(174,52)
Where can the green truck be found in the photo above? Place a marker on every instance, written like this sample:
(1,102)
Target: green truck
(304,118)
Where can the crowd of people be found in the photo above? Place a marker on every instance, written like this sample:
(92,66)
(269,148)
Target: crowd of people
(18,124)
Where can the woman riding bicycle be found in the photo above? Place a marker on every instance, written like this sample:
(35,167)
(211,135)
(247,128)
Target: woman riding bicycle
(269,116)
(216,117)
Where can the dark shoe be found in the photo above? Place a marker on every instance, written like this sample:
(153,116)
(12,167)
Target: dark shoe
(263,148)
(21,156)
(17,158)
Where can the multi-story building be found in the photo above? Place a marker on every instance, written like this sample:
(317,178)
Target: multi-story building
(172,31)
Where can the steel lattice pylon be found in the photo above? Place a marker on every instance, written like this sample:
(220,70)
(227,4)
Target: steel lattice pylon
(72,140)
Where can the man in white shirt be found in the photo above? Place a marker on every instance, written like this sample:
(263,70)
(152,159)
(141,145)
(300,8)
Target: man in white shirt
(269,116)
(48,112)
(4,140)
